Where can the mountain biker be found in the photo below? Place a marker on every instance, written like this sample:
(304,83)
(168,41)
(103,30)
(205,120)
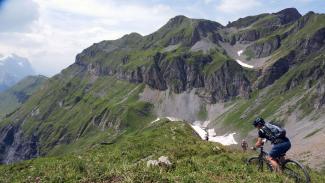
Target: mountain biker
(280,143)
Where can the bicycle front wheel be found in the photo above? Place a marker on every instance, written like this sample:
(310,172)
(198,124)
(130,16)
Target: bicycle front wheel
(295,171)
(260,163)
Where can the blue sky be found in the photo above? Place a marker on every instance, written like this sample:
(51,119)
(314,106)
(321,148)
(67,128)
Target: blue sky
(51,32)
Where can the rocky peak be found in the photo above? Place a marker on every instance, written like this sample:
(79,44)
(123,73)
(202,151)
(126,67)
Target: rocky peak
(129,40)
(177,20)
(133,35)
(246,21)
(202,24)
(288,15)
(208,25)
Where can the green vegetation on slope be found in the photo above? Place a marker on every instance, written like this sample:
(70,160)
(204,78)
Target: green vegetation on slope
(125,160)
(12,98)
(280,97)
(71,115)
(244,22)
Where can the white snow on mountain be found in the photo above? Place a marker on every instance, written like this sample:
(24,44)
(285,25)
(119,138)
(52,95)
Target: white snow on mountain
(201,128)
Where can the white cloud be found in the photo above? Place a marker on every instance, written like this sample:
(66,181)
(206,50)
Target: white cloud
(65,28)
(236,6)
(51,32)
(207,1)
(18,15)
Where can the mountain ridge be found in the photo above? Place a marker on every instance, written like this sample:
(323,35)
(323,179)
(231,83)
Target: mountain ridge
(12,69)
(194,66)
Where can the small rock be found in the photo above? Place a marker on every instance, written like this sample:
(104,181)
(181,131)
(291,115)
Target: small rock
(152,163)
(164,160)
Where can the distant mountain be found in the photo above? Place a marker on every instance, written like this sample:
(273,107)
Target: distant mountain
(13,68)
(16,95)
(271,65)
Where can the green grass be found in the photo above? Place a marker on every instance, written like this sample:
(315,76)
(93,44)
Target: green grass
(218,59)
(125,161)
(12,98)
(76,112)
(265,21)
(244,22)
(267,102)
(314,23)
(67,110)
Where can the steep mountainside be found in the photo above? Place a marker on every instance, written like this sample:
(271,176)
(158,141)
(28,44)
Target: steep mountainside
(270,65)
(183,156)
(13,68)
(16,95)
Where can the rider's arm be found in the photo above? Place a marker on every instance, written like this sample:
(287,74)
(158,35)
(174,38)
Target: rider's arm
(259,142)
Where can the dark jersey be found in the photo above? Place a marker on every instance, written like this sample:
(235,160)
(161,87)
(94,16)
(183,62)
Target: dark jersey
(262,133)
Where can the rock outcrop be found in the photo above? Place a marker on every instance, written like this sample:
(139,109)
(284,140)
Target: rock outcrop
(288,15)
(14,147)
(265,48)
(180,75)
(92,94)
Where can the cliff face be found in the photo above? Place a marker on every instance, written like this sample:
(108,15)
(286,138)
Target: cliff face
(14,147)
(265,48)
(301,43)
(97,98)
(179,74)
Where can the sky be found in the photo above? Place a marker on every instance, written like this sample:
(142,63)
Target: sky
(50,33)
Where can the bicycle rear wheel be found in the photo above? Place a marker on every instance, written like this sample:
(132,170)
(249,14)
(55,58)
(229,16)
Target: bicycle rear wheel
(295,171)
(260,163)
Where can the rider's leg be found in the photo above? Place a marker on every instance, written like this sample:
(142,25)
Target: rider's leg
(274,164)
(276,151)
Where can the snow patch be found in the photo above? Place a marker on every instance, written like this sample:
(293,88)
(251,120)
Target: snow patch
(154,121)
(168,117)
(244,64)
(210,134)
(200,131)
(201,128)
(240,52)
(173,118)
(227,139)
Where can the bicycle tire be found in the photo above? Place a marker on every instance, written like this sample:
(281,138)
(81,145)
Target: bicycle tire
(261,164)
(295,170)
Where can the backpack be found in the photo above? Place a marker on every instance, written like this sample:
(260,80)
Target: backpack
(273,132)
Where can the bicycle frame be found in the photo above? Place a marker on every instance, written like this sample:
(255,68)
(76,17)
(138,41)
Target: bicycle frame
(283,163)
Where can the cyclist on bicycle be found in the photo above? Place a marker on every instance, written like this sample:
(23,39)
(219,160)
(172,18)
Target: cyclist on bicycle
(280,143)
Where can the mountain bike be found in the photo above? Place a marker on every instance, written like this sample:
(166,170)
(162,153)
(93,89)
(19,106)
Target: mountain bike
(291,168)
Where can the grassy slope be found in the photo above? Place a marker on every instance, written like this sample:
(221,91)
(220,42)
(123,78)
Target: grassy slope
(12,98)
(82,100)
(65,111)
(268,101)
(125,160)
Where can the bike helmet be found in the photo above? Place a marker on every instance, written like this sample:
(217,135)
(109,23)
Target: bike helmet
(258,121)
